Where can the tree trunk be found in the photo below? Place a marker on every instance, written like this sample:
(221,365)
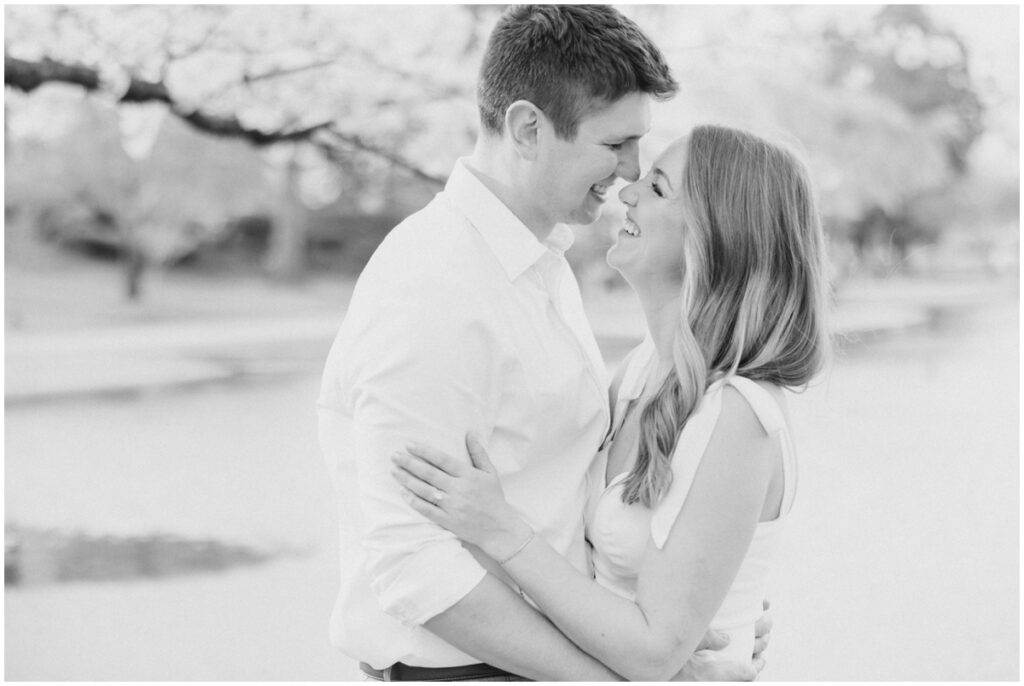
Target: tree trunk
(134,261)
(286,251)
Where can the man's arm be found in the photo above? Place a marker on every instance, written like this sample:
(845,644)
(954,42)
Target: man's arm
(426,368)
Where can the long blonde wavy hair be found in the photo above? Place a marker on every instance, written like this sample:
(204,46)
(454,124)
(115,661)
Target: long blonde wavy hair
(754,287)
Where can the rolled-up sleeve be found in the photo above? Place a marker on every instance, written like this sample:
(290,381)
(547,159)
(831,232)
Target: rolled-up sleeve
(421,367)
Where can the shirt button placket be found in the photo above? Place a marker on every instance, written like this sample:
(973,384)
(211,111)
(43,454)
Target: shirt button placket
(550,269)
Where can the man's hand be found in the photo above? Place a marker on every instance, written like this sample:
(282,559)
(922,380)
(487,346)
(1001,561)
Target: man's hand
(704,666)
(762,634)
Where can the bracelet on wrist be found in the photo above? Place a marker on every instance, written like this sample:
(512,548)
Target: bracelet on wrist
(520,549)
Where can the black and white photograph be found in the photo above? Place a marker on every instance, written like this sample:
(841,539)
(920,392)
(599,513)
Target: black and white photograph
(543,342)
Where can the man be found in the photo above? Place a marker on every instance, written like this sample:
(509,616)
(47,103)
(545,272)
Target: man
(468,317)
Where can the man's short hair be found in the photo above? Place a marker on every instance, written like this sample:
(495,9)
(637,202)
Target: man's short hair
(568,60)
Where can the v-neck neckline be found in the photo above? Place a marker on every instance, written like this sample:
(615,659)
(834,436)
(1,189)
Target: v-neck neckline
(631,404)
(627,396)
(621,476)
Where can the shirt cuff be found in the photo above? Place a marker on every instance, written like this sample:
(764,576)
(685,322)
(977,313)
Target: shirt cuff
(428,582)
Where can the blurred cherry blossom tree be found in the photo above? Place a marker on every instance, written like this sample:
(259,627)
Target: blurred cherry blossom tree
(890,104)
(389,85)
(342,77)
(895,113)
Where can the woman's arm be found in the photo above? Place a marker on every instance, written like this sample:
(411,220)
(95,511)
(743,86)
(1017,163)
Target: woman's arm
(680,587)
(494,625)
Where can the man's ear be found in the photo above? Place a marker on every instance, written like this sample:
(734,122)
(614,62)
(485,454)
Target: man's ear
(522,122)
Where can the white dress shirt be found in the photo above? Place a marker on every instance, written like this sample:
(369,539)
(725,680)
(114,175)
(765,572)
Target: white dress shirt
(461,320)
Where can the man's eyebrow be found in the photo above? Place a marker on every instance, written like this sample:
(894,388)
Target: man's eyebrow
(664,176)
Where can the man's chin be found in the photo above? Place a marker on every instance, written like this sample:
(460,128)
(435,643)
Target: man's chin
(586,216)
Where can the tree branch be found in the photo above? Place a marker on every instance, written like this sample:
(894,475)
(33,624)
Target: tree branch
(438,90)
(198,45)
(353,141)
(288,71)
(26,76)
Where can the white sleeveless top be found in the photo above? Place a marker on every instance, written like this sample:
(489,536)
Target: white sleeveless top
(619,533)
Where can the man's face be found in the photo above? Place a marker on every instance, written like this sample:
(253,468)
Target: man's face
(573,177)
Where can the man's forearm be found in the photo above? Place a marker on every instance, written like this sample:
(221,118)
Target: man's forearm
(498,627)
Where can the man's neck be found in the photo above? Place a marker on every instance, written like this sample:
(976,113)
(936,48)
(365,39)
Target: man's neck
(488,163)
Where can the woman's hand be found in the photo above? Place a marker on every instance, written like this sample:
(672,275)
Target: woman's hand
(465,499)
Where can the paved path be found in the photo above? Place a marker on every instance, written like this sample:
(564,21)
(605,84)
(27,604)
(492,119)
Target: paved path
(42,365)
(50,364)
(46,364)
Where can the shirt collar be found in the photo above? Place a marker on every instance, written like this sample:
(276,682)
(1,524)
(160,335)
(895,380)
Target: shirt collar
(514,245)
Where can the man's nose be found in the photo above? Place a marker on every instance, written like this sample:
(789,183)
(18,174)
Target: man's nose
(629,162)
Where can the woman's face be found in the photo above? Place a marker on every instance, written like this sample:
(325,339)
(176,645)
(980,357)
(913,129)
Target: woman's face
(649,247)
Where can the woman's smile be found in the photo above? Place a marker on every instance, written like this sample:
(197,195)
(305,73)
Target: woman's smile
(631,228)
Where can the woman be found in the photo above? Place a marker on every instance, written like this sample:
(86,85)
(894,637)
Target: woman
(724,249)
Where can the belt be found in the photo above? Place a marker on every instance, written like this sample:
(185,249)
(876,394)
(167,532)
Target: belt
(403,672)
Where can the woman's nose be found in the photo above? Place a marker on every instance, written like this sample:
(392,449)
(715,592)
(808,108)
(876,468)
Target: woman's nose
(628,194)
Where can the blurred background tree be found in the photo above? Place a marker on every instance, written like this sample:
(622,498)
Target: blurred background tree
(298,125)
(219,137)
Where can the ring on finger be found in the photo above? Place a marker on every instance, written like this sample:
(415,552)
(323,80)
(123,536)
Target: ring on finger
(436,498)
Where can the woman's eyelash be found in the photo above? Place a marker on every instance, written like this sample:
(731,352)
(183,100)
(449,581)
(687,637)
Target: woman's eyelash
(654,186)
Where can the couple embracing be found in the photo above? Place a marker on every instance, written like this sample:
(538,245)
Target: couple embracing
(510,512)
